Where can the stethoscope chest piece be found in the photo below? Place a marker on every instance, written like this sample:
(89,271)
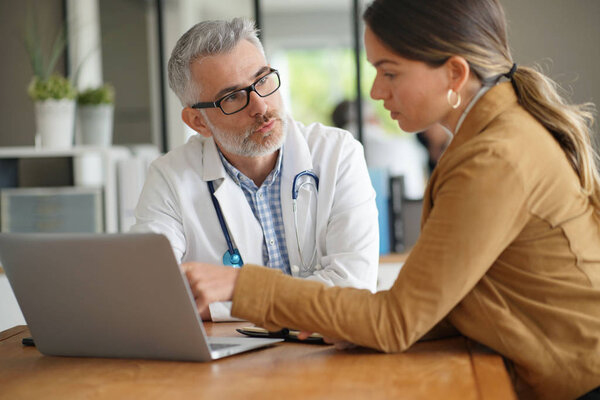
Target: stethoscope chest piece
(233,259)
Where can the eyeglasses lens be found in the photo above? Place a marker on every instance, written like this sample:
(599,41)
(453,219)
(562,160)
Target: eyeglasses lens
(264,87)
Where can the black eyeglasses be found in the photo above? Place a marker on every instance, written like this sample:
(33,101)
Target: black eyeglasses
(238,100)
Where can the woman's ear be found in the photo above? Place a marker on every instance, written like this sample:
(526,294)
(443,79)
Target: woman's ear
(458,72)
(195,120)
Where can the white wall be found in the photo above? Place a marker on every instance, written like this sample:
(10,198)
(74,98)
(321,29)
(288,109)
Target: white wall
(16,108)
(563,37)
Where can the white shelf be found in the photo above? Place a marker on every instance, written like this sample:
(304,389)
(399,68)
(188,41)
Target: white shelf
(32,152)
(92,166)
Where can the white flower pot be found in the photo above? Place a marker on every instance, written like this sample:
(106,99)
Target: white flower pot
(95,124)
(55,121)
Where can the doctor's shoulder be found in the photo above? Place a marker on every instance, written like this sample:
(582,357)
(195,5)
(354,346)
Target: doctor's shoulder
(186,156)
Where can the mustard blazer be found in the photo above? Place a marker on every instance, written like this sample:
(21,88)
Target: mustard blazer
(509,254)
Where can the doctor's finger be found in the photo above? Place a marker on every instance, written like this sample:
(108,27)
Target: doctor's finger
(190,266)
(198,279)
(192,270)
(201,305)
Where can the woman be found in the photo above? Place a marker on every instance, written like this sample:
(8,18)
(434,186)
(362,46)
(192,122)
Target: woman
(509,252)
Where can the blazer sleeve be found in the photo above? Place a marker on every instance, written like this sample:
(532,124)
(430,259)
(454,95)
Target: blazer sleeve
(479,208)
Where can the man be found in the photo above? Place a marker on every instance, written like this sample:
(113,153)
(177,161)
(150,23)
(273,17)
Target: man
(226,195)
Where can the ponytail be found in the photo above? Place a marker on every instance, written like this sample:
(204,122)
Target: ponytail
(568,123)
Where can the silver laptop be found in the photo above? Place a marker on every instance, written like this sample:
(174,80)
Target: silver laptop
(109,295)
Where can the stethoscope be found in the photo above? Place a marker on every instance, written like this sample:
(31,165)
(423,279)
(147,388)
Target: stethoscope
(295,189)
(232,256)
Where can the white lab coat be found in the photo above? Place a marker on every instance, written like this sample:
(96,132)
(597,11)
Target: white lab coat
(176,201)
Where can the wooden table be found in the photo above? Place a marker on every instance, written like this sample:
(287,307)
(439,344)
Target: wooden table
(447,369)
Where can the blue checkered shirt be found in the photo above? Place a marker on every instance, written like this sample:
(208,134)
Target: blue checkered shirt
(265,202)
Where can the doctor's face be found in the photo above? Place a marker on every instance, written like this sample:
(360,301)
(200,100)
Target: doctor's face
(259,128)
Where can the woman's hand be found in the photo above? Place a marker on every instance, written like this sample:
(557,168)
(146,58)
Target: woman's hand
(338,344)
(210,283)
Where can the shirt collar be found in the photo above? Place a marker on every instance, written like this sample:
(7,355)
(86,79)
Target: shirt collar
(240,179)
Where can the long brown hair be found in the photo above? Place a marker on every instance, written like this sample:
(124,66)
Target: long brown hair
(432,31)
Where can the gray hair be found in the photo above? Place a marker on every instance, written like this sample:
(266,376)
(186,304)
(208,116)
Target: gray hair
(206,38)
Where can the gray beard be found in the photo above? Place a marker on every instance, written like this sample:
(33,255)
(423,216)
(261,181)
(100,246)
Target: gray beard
(241,145)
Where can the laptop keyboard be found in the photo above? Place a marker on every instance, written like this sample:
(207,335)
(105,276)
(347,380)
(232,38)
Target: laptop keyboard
(221,346)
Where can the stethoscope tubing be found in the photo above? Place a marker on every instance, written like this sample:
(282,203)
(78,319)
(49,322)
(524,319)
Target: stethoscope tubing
(221,219)
(295,189)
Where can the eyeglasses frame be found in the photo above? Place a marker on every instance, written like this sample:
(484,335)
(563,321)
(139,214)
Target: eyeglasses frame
(248,89)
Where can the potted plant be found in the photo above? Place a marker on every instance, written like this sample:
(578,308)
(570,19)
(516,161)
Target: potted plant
(53,94)
(95,110)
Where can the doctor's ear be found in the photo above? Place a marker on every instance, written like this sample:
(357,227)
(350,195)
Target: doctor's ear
(195,120)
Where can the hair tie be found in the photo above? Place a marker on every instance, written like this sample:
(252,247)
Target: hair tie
(512,71)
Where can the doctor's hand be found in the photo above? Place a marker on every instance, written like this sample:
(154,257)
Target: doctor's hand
(210,283)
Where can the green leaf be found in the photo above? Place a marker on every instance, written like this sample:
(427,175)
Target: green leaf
(60,43)
(55,87)
(104,94)
(33,45)
(35,48)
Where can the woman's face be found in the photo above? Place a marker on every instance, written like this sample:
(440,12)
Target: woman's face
(413,92)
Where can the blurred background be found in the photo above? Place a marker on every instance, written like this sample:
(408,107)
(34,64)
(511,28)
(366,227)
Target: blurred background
(317,47)
(313,44)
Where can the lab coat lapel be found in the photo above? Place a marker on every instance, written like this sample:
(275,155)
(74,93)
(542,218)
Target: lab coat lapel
(245,231)
(212,167)
(296,158)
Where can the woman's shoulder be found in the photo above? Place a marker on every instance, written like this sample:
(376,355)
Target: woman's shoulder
(518,139)
(514,147)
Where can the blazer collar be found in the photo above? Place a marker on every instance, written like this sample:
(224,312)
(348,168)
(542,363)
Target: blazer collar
(493,103)
(497,100)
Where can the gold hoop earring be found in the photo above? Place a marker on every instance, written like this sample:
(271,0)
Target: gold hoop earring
(449,98)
